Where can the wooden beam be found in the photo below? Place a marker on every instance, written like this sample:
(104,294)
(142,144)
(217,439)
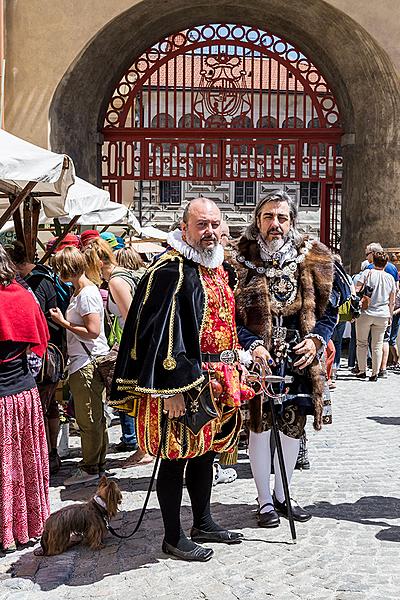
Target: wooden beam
(16,203)
(58,241)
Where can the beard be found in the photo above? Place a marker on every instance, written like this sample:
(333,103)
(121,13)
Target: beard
(208,255)
(275,245)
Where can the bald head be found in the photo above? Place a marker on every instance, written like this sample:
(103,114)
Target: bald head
(201,224)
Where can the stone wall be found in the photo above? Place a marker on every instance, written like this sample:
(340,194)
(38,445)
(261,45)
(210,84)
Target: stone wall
(64,59)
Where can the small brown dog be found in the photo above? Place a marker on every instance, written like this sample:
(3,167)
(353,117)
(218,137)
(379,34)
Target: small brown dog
(87,519)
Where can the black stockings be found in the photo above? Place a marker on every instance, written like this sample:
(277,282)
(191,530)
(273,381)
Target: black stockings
(199,475)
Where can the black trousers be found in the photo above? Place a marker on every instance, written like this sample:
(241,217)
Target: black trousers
(199,476)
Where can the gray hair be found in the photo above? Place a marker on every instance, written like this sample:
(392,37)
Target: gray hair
(373,247)
(253,231)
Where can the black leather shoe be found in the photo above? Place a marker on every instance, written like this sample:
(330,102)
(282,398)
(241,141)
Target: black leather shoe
(268,519)
(198,553)
(215,537)
(299,514)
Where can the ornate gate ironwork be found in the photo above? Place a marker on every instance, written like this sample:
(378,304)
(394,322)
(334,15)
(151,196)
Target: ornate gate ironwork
(221,103)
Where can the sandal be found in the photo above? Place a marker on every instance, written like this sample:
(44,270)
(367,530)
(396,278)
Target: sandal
(138,458)
(223,475)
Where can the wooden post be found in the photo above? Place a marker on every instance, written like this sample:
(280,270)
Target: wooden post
(19,232)
(58,241)
(31,222)
(16,203)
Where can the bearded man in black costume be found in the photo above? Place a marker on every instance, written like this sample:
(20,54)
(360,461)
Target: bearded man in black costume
(182,323)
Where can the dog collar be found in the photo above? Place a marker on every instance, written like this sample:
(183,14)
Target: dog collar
(100,502)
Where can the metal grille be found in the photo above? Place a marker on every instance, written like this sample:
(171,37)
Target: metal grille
(219,103)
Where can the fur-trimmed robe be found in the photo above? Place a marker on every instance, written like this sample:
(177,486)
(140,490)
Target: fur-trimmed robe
(254,310)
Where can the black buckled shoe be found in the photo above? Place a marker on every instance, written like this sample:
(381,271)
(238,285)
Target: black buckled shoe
(222,536)
(268,519)
(198,553)
(299,514)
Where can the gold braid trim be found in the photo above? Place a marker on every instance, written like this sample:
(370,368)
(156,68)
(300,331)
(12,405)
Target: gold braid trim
(151,270)
(169,362)
(205,311)
(130,384)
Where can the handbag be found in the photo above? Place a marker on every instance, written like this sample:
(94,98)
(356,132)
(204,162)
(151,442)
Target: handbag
(200,406)
(365,294)
(53,366)
(104,365)
(349,310)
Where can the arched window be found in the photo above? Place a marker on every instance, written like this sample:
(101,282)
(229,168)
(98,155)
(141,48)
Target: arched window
(295,122)
(162,120)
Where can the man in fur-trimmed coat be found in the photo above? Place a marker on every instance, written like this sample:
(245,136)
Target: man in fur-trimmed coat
(286,316)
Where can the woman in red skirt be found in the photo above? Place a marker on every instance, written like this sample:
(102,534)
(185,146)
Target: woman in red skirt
(24,470)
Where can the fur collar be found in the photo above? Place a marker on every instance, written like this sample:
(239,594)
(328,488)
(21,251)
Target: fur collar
(175,240)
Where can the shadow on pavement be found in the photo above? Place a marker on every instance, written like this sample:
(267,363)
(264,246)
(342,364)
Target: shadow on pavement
(386,420)
(365,511)
(80,566)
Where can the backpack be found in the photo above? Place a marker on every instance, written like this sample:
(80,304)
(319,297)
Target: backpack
(114,329)
(63,290)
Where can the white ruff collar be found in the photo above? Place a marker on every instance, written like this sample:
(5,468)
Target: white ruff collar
(175,240)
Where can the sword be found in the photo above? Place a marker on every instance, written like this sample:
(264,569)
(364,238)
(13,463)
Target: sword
(266,380)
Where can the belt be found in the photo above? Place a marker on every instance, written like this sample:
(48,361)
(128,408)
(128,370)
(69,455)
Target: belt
(229,357)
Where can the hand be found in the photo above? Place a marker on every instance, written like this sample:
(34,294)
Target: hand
(57,316)
(174,406)
(261,354)
(307,349)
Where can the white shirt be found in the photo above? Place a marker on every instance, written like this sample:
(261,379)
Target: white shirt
(383,285)
(88,301)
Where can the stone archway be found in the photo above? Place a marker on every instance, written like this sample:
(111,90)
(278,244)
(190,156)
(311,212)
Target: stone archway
(358,70)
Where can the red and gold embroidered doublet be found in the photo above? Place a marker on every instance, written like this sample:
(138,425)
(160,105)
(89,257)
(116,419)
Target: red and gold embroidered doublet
(217,333)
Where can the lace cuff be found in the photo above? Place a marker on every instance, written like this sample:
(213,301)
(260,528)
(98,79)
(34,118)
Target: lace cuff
(255,345)
(321,339)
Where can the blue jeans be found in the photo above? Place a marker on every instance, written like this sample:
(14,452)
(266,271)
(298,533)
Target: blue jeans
(395,330)
(352,347)
(128,429)
(337,338)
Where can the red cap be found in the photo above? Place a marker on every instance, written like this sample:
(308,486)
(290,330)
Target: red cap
(88,235)
(70,240)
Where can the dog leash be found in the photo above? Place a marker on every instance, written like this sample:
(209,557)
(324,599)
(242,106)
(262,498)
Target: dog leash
(152,478)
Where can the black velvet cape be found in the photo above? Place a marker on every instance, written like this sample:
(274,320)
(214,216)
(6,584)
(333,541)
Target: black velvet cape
(160,346)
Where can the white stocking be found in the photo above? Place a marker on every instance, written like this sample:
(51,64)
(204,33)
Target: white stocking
(260,461)
(290,448)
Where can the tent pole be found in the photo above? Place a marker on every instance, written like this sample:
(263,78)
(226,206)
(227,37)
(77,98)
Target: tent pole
(16,203)
(58,241)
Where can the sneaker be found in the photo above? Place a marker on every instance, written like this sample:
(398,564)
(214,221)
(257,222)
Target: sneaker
(223,475)
(373,378)
(80,476)
(382,373)
(361,375)
(124,447)
(54,462)
(105,473)
(302,464)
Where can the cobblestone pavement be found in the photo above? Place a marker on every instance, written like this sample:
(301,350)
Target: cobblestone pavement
(349,550)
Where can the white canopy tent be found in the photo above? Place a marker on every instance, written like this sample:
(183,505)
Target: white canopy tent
(47,173)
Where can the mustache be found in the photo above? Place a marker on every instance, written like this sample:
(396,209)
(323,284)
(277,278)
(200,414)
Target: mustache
(275,230)
(207,236)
